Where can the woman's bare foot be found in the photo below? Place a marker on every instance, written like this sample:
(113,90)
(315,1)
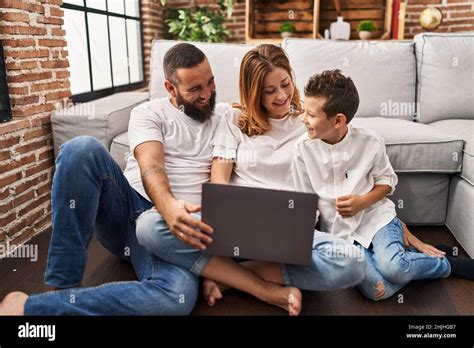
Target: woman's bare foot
(212,291)
(288,298)
(13,303)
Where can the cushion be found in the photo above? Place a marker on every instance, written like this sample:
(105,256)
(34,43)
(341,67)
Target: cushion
(104,118)
(414,147)
(463,129)
(224,59)
(120,149)
(384,72)
(445,75)
(422,198)
(460,218)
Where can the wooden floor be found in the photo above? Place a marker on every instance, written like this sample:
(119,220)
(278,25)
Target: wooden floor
(425,297)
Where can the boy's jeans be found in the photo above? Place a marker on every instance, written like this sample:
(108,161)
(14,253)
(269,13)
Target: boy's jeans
(390,263)
(336,264)
(90,195)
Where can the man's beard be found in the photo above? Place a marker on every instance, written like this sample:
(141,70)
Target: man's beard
(195,112)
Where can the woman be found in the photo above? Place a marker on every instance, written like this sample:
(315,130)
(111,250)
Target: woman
(253,147)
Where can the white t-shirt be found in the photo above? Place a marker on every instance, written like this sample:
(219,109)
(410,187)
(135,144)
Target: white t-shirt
(351,167)
(260,160)
(186,142)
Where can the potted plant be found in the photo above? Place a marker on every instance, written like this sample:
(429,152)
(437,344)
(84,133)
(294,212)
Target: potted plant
(199,25)
(287,29)
(366,29)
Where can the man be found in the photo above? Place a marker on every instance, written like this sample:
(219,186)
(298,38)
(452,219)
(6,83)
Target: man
(170,142)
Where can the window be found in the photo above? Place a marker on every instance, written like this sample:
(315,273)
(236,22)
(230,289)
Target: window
(5,112)
(104,40)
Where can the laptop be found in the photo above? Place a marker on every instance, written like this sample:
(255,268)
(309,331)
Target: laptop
(260,224)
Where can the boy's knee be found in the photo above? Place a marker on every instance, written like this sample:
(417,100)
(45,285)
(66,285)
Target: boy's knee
(354,270)
(374,292)
(395,270)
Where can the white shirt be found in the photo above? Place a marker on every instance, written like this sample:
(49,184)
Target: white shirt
(186,142)
(260,160)
(352,166)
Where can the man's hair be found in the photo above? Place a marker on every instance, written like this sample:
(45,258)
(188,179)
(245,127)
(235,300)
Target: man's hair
(181,56)
(340,91)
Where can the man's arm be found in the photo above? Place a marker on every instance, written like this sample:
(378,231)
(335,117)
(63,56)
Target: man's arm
(176,213)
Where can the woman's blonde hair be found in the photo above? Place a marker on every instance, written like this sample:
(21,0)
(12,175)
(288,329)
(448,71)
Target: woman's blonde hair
(256,64)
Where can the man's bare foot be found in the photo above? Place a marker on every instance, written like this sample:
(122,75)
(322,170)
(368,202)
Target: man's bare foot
(211,291)
(13,303)
(288,298)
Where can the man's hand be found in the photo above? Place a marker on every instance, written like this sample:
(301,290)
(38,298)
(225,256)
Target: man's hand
(350,205)
(410,240)
(180,222)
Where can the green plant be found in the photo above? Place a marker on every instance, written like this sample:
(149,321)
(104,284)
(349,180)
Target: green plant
(366,25)
(200,25)
(287,27)
(226,5)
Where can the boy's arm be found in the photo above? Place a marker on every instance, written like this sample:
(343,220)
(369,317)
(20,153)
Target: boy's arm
(350,205)
(385,181)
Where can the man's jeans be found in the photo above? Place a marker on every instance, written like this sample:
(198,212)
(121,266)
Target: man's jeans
(390,263)
(336,264)
(90,195)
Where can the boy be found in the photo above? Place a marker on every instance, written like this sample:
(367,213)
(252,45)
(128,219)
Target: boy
(348,168)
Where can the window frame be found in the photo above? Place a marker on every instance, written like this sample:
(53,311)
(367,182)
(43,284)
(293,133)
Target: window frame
(96,94)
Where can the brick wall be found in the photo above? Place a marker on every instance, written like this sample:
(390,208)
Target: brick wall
(458,15)
(37,76)
(154,26)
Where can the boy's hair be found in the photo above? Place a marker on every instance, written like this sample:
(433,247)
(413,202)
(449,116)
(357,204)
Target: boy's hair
(181,56)
(340,91)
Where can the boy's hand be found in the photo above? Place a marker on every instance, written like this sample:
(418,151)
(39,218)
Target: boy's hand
(411,241)
(350,205)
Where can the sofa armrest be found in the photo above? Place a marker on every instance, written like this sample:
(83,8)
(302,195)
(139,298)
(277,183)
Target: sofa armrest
(104,118)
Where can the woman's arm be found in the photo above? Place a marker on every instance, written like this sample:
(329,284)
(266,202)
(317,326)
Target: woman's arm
(221,170)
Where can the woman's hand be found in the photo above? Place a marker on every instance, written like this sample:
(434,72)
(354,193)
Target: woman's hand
(410,240)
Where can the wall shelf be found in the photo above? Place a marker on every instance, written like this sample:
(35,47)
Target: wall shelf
(311,18)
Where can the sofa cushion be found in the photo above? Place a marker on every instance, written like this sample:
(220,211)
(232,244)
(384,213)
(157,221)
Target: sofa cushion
(445,75)
(414,147)
(104,118)
(224,59)
(463,129)
(383,71)
(120,149)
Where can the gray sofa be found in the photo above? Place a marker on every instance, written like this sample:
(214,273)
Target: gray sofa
(418,95)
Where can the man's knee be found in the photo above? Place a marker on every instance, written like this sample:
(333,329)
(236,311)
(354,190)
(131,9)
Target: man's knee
(75,152)
(81,144)
(147,229)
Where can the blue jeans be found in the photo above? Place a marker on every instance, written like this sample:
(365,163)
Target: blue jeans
(90,195)
(390,263)
(336,264)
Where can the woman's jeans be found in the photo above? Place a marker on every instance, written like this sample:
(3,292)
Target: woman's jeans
(336,264)
(90,195)
(390,263)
